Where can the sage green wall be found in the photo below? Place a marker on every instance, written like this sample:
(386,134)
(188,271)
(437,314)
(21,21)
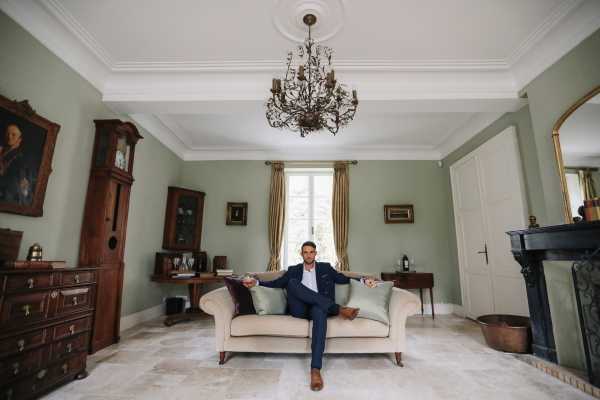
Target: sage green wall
(373,245)
(30,71)
(550,95)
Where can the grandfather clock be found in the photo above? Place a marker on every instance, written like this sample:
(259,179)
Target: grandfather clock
(105,222)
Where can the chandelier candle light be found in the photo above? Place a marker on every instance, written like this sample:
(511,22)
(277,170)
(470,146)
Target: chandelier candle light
(310,99)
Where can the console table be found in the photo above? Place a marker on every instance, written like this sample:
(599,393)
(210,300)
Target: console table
(194,287)
(412,280)
(570,242)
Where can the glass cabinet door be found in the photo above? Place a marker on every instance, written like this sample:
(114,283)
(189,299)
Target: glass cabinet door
(185,221)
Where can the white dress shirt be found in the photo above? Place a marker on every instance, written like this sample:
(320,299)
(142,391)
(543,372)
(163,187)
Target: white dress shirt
(309,278)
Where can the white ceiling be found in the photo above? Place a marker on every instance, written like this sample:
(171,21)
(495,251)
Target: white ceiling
(429,74)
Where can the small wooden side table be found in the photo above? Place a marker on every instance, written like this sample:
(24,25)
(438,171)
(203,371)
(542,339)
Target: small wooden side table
(412,280)
(194,287)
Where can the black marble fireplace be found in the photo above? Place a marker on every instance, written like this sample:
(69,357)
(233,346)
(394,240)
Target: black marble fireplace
(579,243)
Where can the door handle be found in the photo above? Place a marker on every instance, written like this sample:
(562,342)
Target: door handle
(484,252)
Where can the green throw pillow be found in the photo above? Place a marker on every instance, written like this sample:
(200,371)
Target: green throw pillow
(342,290)
(373,302)
(268,301)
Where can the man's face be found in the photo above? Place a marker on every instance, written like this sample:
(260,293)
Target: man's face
(308,254)
(13,136)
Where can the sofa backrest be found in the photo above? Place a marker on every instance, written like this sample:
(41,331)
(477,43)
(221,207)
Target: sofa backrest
(270,275)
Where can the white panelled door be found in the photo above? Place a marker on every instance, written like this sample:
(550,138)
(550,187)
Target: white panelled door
(489,200)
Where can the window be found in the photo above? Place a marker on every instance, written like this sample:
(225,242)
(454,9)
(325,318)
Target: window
(308,214)
(575,192)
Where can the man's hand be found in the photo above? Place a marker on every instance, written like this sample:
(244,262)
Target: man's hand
(249,282)
(370,282)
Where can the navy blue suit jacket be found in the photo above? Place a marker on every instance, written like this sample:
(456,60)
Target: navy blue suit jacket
(327,277)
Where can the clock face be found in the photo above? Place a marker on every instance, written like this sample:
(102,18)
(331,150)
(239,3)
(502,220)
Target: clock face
(122,154)
(120,160)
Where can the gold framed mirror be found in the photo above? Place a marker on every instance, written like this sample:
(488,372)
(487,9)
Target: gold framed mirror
(576,138)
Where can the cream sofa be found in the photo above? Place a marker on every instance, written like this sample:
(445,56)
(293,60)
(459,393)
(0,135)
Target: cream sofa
(286,334)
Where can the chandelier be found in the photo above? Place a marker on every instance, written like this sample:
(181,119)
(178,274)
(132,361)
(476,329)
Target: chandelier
(309,98)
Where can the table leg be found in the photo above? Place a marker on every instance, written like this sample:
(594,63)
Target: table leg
(421,293)
(194,291)
(431,297)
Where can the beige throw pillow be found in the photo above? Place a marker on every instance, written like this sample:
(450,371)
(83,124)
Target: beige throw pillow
(373,302)
(268,301)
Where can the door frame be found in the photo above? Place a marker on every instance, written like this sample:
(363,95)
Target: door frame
(510,130)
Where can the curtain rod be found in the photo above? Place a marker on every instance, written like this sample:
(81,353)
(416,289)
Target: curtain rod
(349,162)
(591,169)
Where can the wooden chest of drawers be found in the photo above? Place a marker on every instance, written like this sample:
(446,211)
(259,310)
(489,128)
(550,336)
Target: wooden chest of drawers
(45,326)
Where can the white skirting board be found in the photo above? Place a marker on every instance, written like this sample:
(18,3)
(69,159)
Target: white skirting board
(131,320)
(443,309)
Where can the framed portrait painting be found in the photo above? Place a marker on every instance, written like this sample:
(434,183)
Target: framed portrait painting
(237,214)
(26,147)
(399,214)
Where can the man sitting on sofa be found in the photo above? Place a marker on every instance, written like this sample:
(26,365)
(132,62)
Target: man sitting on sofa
(311,295)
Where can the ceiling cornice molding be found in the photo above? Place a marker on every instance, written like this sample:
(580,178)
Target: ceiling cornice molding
(85,37)
(340,65)
(286,154)
(582,19)
(161,132)
(58,38)
(538,34)
(465,132)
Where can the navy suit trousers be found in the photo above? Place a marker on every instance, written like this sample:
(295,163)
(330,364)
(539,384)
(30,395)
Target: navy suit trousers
(304,303)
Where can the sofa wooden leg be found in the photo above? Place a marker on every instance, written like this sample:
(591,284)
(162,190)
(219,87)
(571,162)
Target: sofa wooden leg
(221,358)
(399,359)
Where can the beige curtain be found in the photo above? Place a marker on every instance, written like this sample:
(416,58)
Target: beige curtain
(276,215)
(340,212)
(587,184)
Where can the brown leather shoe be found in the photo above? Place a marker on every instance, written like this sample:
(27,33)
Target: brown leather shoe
(348,312)
(316,382)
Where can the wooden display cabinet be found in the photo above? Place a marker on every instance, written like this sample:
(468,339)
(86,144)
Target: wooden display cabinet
(183,219)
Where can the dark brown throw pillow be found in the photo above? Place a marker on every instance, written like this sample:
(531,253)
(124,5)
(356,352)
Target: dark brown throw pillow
(240,294)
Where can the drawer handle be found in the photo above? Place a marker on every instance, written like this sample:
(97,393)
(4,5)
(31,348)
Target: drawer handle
(41,374)
(75,301)
(30,283)
(72,329)
(76,278)
(15,368)
(26,309)
(65,368)
(69,347)
(9,394)
(54,294)
(21,344)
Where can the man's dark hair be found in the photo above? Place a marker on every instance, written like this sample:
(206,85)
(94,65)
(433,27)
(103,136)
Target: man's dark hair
(308,243)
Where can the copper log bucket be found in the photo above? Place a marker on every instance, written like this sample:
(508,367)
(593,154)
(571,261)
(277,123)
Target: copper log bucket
(509,333)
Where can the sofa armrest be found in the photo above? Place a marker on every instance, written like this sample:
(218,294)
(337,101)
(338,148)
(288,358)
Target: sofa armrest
(402,304)
(218,303)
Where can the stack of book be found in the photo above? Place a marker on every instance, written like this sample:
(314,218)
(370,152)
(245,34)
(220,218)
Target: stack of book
(224,272)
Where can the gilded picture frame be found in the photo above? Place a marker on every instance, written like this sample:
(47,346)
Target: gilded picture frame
(27,143)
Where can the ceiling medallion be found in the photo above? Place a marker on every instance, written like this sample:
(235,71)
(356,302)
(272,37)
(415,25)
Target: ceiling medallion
(309,98)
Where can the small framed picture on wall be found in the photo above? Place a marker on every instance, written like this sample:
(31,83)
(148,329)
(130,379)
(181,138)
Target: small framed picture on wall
(399,214)
(237,214)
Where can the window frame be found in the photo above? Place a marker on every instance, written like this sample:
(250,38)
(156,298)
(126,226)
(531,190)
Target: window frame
(311,172)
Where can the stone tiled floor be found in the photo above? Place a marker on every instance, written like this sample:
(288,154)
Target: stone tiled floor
(446,359)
